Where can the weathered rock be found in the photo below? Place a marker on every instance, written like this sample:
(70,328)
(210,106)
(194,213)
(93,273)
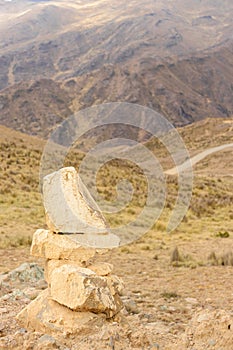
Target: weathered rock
(46,342)
(47,316)
(31,293)
(131,306)
(51,265)
(101,269)
(27,272)
(208,328)
(68,204)
(81,289)
(49,245)
(115,284)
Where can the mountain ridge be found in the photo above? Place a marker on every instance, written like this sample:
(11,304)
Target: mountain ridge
(173,58)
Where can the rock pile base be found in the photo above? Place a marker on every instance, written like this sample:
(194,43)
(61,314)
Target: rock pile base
(81,294)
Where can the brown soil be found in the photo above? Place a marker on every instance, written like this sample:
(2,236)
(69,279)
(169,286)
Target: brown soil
(168,307)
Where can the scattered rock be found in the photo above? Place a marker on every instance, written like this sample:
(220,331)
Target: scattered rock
(3,310)
(81,289)
(131,306)
(115,284)
(41,284)
(49,317)
(16,294)
(192,301)
(31,293)
(47,342)
(27,272)
(208,329)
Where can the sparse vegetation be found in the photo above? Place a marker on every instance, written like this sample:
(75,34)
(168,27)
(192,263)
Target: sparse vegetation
(225,259)
(176,257)
(170,295)
(224,234)
(21,204)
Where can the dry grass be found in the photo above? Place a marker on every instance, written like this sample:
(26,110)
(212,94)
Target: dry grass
(210,214)
(225,259)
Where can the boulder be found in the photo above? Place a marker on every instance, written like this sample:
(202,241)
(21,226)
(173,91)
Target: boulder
(26,272)
(49,317)
(101,269)
(80,289)
(69,207)
(48,245)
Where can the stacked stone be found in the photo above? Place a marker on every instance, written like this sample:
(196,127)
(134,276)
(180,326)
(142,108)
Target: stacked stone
(81,292)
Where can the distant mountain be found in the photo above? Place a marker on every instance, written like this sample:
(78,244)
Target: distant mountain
(174,56)
(34,107)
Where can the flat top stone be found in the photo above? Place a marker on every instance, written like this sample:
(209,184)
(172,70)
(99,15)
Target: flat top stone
(49,245)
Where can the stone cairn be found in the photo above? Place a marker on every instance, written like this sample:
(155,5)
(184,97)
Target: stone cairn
(81,293)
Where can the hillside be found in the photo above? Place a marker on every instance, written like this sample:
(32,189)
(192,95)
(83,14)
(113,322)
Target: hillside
(20,199)
(57,57)
(169,293)
(176,57)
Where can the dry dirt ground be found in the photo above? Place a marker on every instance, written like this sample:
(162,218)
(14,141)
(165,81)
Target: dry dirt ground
(168,306)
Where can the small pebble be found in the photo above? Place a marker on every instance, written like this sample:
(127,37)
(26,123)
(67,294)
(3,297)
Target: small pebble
(212,342)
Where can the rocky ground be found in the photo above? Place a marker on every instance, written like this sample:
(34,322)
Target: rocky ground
(167,306)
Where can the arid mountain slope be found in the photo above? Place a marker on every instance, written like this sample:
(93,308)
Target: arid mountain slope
(174,57)
(34,107)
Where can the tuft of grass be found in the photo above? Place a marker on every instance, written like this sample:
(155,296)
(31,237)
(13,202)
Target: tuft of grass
(170,295)
(224,234)
(178,260)
(175,256)
(14,241)
(125,249)
(225,259)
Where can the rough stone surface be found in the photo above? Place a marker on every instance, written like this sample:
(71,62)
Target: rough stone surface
(49,317)
(209,329)
(81,289)
(51,265)
(27,272)
(48,245)
(101,269)
(69,206)
(115,284)
(46,342)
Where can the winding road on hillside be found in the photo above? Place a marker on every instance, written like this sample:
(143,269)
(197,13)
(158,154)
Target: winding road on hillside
(197,158)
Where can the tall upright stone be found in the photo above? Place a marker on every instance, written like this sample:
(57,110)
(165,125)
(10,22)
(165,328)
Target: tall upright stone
(69,207)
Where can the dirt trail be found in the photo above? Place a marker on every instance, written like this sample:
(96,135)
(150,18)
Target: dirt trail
(194,160)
